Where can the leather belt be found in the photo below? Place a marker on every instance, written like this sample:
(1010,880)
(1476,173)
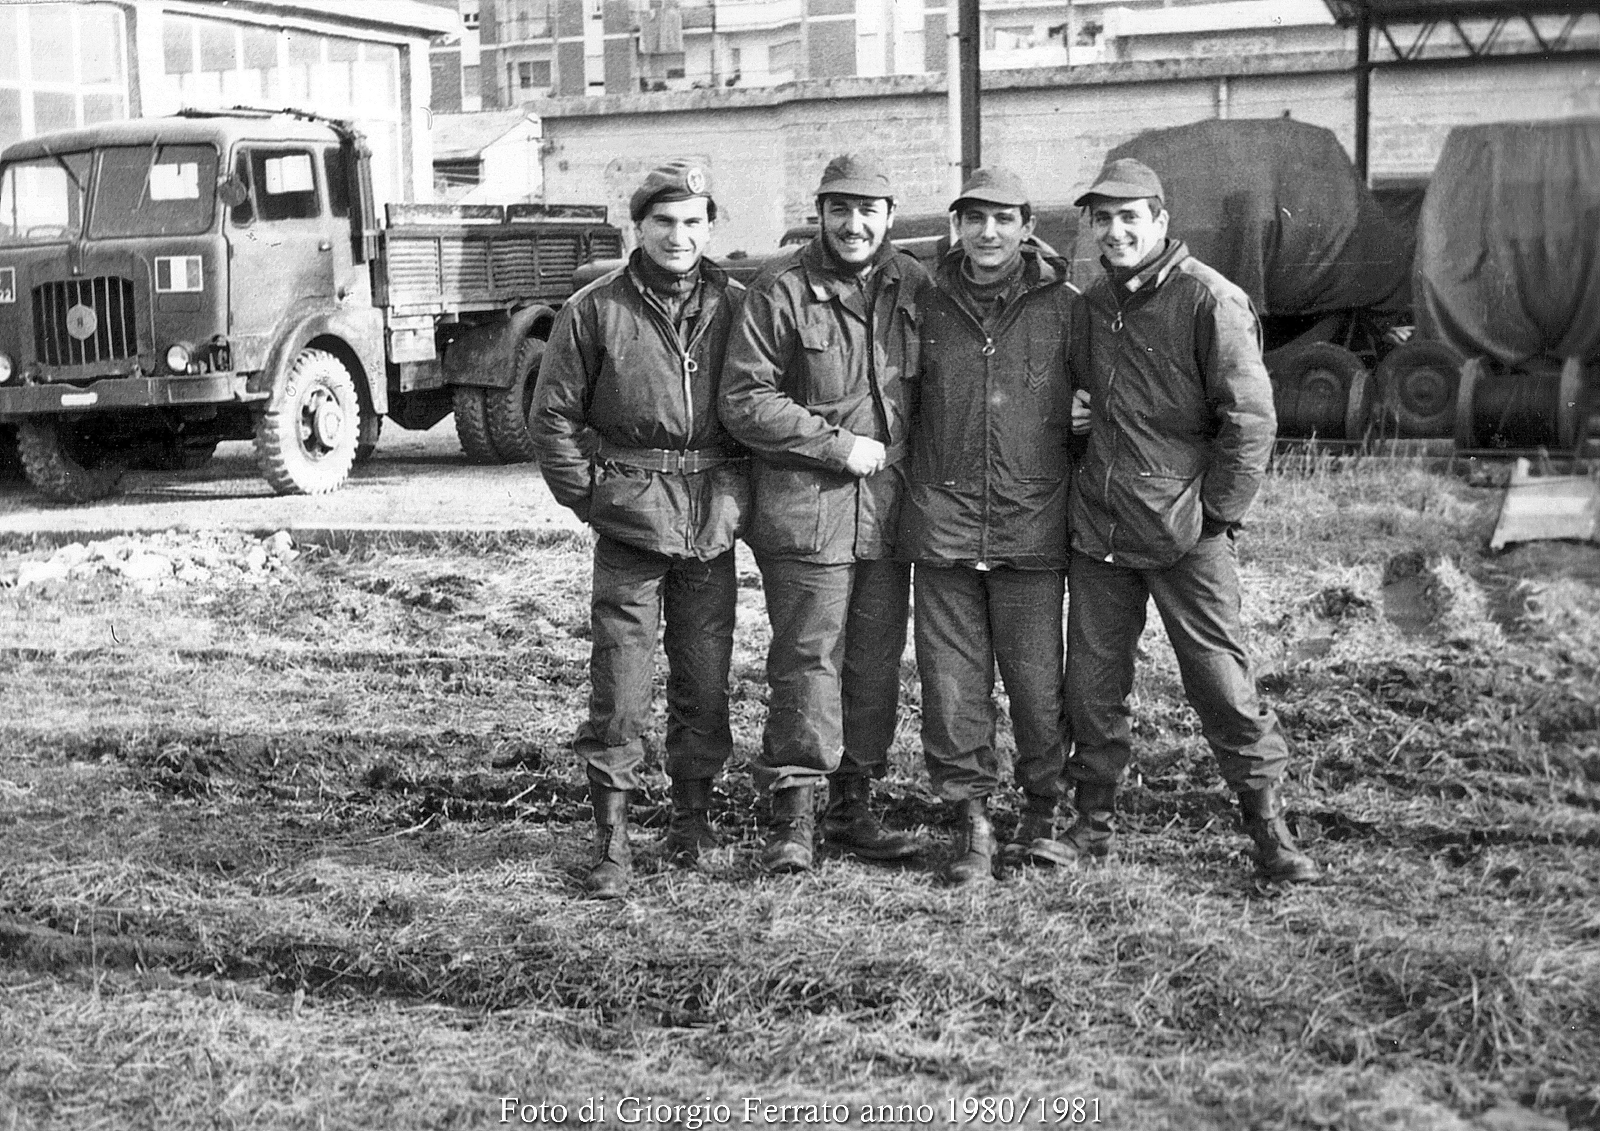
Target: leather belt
(680,461)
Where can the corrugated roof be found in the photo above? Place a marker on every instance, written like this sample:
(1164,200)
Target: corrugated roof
(457,137)
(1348,12)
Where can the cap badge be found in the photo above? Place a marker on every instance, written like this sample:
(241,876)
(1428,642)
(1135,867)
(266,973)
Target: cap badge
(695,181)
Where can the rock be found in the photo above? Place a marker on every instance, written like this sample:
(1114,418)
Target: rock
(1506,1116)
(144,566)
(73,553)
(255,558)
(281,545)
(40,573)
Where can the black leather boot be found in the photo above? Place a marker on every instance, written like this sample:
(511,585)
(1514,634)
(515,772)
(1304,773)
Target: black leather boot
(1035,839)
(848,823)
(613,859)
(689,832)
(1277,859)
(788,847)
(974,863)
(1091,834)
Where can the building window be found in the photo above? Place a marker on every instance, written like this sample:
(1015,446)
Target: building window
(784,56)
(210,63)
(1014,38)
(61,66)
(526,19)
(533,76)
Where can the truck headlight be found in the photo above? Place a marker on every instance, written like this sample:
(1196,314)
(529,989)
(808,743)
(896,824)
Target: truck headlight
(178,357)
(5,368)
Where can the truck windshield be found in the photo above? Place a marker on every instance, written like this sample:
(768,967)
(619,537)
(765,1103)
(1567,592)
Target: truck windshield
(42,200)
(155,190)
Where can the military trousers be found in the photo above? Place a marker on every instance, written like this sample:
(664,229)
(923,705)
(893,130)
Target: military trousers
(833,667)
(1198,601)
(634,590)
(968,621)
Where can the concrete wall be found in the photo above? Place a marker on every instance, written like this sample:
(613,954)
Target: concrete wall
(766,148)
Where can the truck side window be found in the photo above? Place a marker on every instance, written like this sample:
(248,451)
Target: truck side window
(337,174)
(284,184)
(243,214)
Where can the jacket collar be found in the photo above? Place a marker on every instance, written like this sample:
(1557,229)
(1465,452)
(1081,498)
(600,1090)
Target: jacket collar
(1039,268)
(1149,276)
(823,280)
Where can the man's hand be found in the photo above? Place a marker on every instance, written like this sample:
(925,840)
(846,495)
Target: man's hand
(867,457)
(1080,412)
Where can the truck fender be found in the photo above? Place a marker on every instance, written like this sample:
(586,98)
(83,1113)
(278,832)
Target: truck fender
(355,335)
(484,354)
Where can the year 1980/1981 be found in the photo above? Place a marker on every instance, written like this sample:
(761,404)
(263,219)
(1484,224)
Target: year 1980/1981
(1028,1109)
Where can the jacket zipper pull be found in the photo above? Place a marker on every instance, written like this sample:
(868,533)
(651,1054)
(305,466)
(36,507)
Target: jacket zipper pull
(1116,323)
(988,347)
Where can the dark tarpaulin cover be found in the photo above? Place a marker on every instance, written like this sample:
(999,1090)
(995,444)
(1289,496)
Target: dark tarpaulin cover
(1276,206)
(1508,253)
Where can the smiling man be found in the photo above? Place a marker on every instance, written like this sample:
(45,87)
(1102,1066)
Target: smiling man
(816,386)
(986,517)
(1178,409)
(624,417)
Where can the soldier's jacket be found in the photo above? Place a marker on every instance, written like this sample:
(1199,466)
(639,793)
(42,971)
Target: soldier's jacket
(1182,421)
(616,381)
(990,461)
(809,368)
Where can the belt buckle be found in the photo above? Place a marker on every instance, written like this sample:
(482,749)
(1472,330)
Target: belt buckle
(679,463)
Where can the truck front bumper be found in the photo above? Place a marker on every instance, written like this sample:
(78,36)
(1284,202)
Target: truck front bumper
(18,402)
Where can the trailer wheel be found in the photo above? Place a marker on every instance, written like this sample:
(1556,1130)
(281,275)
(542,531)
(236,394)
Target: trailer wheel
(306,441)
(508,408)
(1312,388)
(67,462)
(472,424)
(1418,383)
(367,435)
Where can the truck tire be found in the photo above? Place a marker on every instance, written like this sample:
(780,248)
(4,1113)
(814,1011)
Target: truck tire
(1312,387)
(306,442)
(1418,383)
(367,435)
(65,463)
(507,409)
(472,424)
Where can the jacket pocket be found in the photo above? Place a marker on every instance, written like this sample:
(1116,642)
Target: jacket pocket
(1162,516)
(629,505)
(822,363)
(786,510)
(727,504)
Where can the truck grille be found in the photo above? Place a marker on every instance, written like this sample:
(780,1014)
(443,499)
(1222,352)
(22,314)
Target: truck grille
(605,245)
(85,321)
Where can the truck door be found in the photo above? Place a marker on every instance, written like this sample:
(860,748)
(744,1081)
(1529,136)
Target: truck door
(281,240)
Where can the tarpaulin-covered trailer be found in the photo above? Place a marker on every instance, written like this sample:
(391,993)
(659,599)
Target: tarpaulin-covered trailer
(1508,276)
(1277,207)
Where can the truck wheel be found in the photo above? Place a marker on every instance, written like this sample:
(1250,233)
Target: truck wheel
(1312,386)
(508,408)
(67,462)
(1418,384)
(472,424)
(306,442)
(367,435)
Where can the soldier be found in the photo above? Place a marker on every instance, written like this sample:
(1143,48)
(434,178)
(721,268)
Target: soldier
(624,419)
(986,516)
(816,387)
(1178,407)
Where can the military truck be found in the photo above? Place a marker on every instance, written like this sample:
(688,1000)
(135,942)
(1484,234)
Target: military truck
(170,283)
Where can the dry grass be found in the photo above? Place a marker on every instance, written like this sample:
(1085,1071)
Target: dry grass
(308,855)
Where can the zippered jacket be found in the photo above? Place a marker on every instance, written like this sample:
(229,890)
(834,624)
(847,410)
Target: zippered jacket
(809,368)
(624,416)
(990,465)
(1182,421)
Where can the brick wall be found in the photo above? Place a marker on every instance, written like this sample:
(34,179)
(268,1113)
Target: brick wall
(765,149)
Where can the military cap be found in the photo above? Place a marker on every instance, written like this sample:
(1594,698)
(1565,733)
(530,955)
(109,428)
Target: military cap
(1124,179)
(992,184)
(676,180)
(855,174)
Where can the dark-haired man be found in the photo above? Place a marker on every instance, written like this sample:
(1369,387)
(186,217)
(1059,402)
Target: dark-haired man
(1178,409)
(816,386)
(986,516)
(624,418)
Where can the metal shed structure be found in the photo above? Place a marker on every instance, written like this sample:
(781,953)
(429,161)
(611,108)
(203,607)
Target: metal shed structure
(1421,33)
